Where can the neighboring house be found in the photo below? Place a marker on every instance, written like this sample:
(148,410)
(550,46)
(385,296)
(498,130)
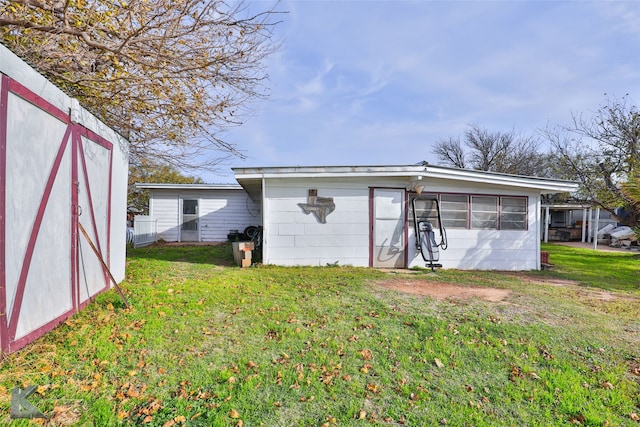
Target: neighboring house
(200,212)
(567,222)
(63,173)
(360,216)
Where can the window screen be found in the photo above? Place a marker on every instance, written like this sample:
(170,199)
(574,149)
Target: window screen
(484,212)
(513,213)
(454,210)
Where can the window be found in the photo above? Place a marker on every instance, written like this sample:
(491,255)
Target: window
(479,212)
(425,209)
(513,213)
(484,212)
(454,209)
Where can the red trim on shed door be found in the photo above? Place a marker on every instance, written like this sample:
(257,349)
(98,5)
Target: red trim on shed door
(97,139)
(83,162)
(4,94)
(26,263)
(75,208)
(74,132)
(26,94)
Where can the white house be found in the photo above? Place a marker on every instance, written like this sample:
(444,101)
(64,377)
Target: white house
(63,173)
(360,216)
(200,212)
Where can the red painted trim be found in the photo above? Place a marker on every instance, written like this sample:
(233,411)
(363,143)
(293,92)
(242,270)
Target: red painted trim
(406,228)
(50,325)
(24,93)
(37,333)
(74,255)
(92,136)
(372,222)
(91,208)
(4,95)
(17,303)
(108,260)
(73,134)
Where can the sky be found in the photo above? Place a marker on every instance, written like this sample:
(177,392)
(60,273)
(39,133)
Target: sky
(381,82)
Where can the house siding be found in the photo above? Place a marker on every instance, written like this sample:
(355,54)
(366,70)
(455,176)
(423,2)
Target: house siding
(166,210)
(294,238)
(219,212)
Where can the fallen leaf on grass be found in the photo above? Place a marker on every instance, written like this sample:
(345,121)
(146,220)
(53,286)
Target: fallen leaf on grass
(438,363)
(374,388)
(365,368)
(534,376)
(607,385)
(578,419)
(366,354)
(234,414)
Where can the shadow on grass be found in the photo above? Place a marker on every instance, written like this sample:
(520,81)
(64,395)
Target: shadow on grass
(214,254)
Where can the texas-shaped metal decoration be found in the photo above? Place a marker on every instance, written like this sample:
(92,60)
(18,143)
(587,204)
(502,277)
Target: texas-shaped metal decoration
(320,207)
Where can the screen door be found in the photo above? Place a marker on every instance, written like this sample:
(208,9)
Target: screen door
(388,228)
(189,229)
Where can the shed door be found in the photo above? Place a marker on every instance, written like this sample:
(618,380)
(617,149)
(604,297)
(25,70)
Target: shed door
(189,228)
(388,231)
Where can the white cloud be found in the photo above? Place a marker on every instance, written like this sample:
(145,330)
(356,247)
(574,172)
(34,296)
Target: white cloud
(381,81)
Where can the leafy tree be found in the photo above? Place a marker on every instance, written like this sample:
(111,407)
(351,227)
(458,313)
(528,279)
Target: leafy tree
(503,152)
(602,152)
(171,76)
(152,172)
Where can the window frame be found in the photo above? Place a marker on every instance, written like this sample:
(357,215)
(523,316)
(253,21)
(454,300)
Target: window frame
(499,221)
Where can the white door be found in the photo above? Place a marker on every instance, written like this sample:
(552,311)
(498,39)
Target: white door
(388,228)
(189,229)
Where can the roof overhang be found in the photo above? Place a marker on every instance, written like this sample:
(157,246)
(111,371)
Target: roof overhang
(164,186)
(251,178)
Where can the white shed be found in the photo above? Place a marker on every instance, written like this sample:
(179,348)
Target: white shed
(360,216)
(200,212)
(61,171)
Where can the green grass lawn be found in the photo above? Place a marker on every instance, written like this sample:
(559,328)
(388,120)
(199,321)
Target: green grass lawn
(207,343)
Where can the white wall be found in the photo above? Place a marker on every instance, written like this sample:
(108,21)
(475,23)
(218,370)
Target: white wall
(294,238)
(470,249)
(225,210)
(219,212)
(164,206)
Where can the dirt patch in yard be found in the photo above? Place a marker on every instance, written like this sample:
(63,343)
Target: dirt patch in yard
(582,291)
(443,291)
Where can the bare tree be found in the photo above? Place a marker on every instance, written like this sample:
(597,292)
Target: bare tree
(602,152)
(171,76)
(504,152)
(451,153)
